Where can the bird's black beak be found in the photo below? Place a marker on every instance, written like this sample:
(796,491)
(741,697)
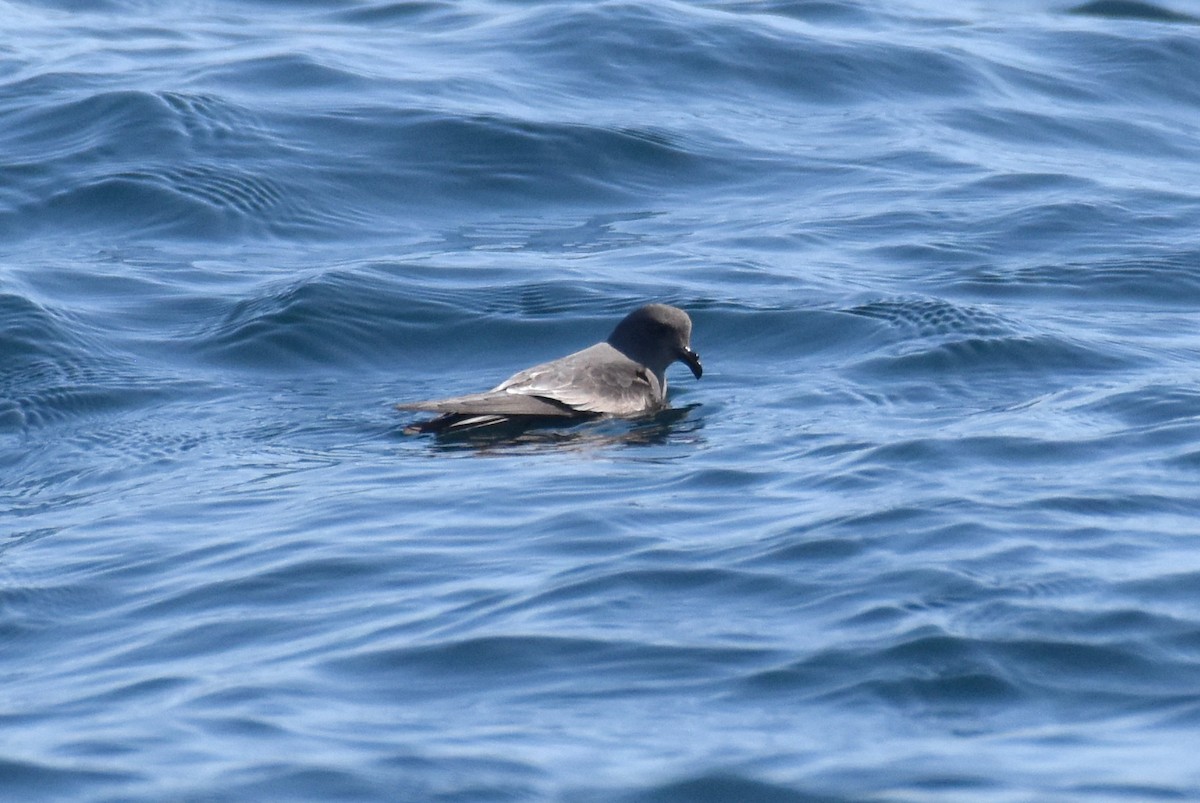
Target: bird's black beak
(692,360)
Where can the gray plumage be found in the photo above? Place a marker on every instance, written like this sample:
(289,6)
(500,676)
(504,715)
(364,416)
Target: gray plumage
(623,376)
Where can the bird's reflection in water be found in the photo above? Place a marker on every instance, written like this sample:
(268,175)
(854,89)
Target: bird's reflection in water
(549,434)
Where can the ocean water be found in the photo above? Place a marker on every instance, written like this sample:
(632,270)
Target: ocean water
(928,528)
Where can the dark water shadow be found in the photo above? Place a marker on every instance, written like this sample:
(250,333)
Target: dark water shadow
(1131,10)
(714,787)
(551,434)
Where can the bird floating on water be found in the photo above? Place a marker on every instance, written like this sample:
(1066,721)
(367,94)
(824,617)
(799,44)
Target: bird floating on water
(624,375)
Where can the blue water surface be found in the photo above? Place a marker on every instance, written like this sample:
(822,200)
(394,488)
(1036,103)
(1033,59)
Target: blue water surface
(925,530)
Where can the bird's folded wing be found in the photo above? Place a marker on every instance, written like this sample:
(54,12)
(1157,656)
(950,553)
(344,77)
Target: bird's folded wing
(616,388)
(597,380)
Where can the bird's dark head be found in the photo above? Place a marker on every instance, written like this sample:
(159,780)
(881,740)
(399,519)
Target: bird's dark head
(657,335)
